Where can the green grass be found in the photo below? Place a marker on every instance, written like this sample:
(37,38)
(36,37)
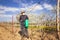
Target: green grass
(42,27)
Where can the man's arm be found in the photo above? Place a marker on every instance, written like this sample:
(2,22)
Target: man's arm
(27,17)
(20,18)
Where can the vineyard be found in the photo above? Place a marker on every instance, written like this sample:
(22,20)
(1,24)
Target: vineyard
(43,19)
(35,33)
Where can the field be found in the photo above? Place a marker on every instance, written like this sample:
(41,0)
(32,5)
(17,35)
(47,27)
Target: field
(35,33)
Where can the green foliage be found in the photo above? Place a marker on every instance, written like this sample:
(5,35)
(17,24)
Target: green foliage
(45,28)
(42,27)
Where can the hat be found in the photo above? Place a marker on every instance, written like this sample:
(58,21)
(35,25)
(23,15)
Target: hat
(22,12)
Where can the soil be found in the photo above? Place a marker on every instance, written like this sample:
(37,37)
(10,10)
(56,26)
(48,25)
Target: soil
(7,33)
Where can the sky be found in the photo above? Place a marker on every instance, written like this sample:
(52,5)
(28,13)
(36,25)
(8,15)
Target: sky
(9,8)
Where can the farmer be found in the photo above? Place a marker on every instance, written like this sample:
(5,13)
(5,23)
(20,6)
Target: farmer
(24,27)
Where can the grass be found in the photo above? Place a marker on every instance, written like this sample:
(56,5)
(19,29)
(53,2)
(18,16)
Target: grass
(42,27)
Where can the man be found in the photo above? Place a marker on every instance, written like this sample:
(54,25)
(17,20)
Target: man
(24,28)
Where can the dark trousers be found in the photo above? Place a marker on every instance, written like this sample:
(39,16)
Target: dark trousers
(24,31)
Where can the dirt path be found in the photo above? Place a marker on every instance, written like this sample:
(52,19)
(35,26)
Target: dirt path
(6,34)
